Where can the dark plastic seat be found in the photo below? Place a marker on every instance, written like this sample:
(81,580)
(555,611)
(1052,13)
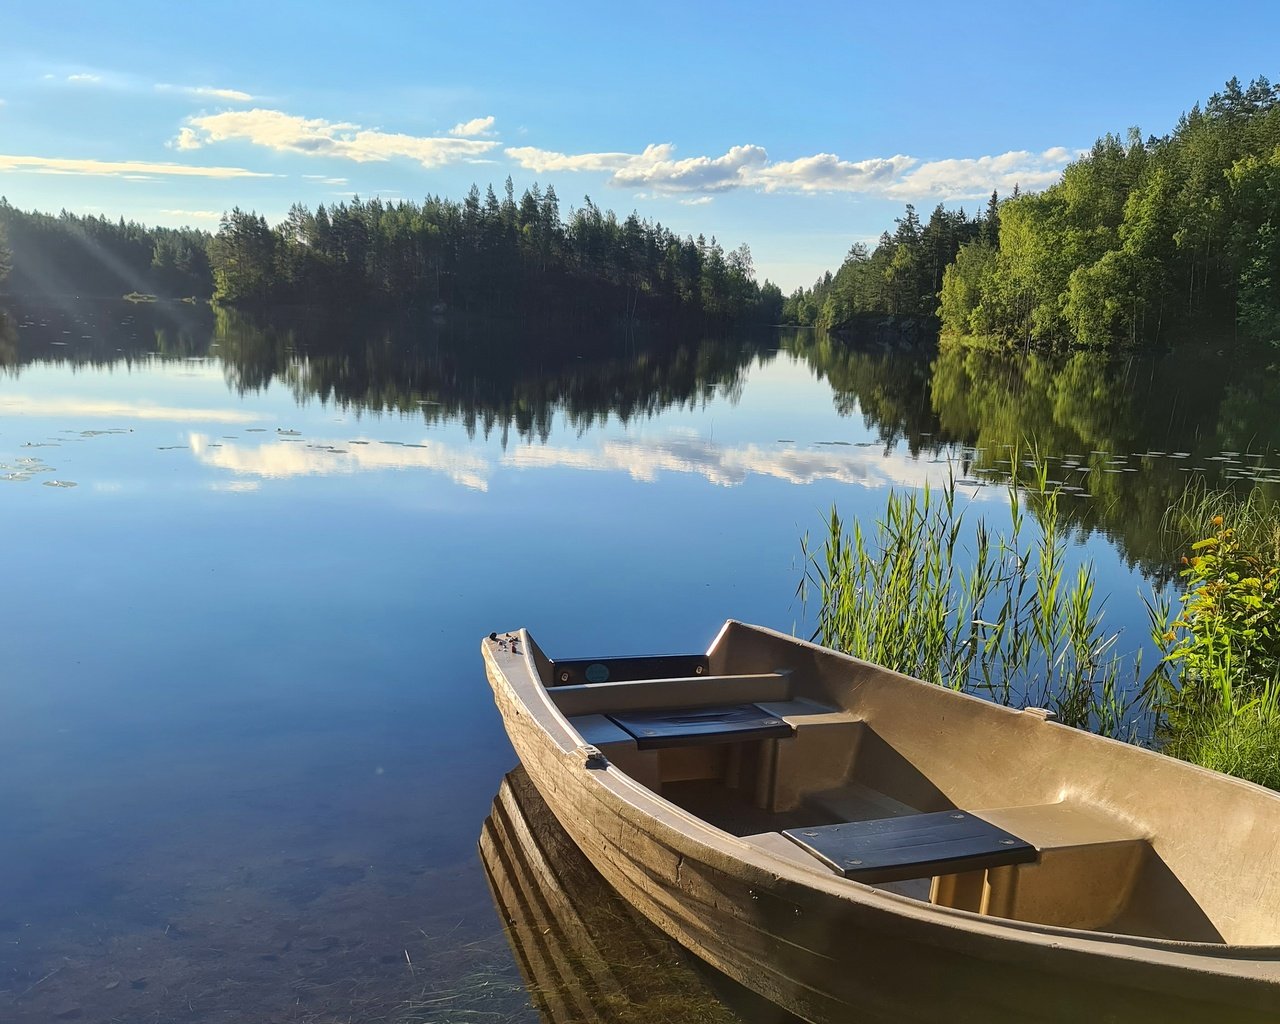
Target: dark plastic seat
(912,846)
(688,726)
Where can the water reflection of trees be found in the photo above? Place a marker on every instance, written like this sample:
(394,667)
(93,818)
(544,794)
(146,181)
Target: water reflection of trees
(100,333)
(491,376)
(1139,427)
(888,385)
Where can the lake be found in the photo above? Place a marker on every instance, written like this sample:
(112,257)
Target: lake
(247,748)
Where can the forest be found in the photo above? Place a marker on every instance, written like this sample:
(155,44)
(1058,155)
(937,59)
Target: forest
(1140,239)
(485,254)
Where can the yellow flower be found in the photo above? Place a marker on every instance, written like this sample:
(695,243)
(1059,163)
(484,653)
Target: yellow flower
(1217,520)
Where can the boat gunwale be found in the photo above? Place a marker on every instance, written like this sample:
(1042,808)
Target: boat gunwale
(639,798)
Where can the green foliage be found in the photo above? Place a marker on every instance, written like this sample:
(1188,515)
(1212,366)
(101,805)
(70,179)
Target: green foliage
(243,259)
(1004,619)
(1217,689)
(1142,236)
(93,256)
(1226,642)
(1255,241)
(964,283)
(6,257)
(902,276)
(487,254)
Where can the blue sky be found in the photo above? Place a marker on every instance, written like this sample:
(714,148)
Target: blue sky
(797,128)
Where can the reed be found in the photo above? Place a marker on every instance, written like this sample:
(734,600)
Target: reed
(992,611)
(1254,519)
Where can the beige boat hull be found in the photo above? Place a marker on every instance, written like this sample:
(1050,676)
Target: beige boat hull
(830,950)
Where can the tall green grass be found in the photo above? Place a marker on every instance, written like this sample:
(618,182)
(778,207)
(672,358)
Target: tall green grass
(986,610)
(1254,519)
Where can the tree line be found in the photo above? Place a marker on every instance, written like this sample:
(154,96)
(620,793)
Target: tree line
(902,276)
(1140,238)
(503,256)
(6,257)
(72,254)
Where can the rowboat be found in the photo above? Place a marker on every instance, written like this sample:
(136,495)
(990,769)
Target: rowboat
(854,844)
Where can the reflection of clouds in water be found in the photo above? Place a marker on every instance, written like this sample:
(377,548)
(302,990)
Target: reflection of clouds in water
(728,467)
(642,460)
(281,459)
(25,405)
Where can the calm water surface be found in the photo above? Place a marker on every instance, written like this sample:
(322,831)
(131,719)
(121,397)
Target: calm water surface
(246,745)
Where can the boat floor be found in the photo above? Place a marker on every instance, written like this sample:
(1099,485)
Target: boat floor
(728,810)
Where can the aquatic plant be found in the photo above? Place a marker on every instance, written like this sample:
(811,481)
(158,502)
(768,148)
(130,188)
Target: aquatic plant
(1254,518)
(1002,617)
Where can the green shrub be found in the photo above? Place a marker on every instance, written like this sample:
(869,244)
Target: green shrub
(1217,689)
(1225,645)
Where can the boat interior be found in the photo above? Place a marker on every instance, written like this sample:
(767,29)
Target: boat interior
(846,769)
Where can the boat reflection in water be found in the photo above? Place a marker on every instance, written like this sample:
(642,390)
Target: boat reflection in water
(584,953)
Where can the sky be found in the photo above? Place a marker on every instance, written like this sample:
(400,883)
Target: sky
(798,130)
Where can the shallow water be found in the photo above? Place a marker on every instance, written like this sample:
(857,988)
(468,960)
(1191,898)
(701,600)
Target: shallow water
(246,744)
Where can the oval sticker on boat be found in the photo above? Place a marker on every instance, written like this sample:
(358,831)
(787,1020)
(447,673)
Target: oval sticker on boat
(597,673)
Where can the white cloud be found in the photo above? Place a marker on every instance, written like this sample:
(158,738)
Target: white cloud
(194,214)
(973,177)
(694,174)
(699,201)
(899,176)
(186,139)
(543,160)
(231,95)
(826,172)
(476,126)
(84,78)
(119,168)
(234,95)
(288,133)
